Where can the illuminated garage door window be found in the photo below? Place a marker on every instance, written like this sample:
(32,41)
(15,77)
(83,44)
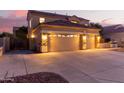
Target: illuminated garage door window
(63,35)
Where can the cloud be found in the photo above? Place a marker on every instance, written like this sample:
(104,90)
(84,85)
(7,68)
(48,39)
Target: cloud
(13,18)
(6,24)
(107,21)
(18,13)
(112,21)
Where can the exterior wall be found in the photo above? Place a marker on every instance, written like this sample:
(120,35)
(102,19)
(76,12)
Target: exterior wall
(34,18)
(69,29)
(34,21)
(5,43)
(38,40)
(84,22)
(119,37)
(35,43)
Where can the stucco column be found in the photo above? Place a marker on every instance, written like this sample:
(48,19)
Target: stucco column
(80,42)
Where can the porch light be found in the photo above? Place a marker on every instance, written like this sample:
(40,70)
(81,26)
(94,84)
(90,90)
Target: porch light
(44,37)
(98,38)
(67,35)
(32,36)
(84,38)
(71,35)
(63,35)
(59,35)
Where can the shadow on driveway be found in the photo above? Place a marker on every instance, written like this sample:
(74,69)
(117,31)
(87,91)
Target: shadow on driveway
(20,52)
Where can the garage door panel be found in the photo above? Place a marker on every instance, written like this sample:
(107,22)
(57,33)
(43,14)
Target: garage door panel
(63,43)
(90,42)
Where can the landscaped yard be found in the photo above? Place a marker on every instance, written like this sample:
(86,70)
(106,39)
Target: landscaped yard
(77,66)
(41,77)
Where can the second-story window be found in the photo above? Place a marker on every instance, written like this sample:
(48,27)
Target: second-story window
(74,21)
(41,20)
(86,24)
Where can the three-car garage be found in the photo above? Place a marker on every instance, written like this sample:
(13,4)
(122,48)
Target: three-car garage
(67,42)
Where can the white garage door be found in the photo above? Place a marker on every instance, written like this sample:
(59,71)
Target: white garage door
(63,43)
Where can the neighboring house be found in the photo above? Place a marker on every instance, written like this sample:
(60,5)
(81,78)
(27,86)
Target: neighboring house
(115,33)
(48,32)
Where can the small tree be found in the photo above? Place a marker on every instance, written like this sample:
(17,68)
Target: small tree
(6,34)
(21,41)
(22,32)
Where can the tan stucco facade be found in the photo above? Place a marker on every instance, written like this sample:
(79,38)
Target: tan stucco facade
(69,36)
(63,38)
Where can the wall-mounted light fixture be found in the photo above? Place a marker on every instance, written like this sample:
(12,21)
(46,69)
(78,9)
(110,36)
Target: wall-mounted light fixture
(98,38)
(32,36)
(44,37)
(84,38)
(59,35)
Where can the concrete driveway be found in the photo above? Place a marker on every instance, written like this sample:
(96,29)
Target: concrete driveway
(78,66)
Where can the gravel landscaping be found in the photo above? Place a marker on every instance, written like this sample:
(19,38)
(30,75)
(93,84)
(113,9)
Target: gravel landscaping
(41,77)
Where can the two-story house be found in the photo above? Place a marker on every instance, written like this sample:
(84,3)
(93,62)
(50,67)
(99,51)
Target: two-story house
(50,32)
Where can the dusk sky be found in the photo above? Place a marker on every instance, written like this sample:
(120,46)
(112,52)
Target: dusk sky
(10,18)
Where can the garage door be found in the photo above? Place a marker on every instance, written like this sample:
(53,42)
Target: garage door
(63,43)
(90,42)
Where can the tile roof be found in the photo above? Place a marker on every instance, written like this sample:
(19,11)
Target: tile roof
(66,23)
(53,14)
